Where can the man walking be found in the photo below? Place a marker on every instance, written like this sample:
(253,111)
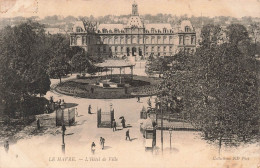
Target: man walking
(127,135)
(114,125)
(123,122)
(93,147)
(89,109)
(138,99)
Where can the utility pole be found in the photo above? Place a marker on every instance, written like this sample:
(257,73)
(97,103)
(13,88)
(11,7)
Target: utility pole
(161,127)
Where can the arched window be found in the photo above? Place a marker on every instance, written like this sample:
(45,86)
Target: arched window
(170,40)
(79,40)
(153,40)
(187,29)
(110,41)
(187,40)
(134,40)
(116,40)
(146,40)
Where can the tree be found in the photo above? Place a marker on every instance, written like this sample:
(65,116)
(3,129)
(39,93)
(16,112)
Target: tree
(211,35)
(23,71)
(58,67)
(79,62)
(219,89)
(254,31)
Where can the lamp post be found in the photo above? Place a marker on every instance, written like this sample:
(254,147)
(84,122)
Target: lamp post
(63,128)
(170,132)
(161,125)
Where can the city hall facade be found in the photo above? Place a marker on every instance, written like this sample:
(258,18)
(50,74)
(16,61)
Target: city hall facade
(134,38)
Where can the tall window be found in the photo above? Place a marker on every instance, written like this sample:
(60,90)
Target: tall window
(104,49)
(192,39)
(116,40)
(170,49)
(187,40)
(180,40)
(153,40)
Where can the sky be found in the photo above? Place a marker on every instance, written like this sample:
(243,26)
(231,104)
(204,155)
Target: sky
(211,8)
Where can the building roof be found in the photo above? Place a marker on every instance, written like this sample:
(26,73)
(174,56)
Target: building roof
(111,27)
(115,64)
(135,21)
(79,24)
(158,26)
(185,23)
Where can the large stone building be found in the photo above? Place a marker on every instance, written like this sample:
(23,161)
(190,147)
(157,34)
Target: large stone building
(134,38)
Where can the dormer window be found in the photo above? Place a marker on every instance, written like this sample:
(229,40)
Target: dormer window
(104,30)
(79,29)
(164,30)
(187,29)
(152,30)
(110,31)
(116,31)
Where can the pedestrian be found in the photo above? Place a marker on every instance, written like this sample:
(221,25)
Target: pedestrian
(93,147)
(77,114)
(89,109)
(127,135)
(38,124)
(114,125)
(123,122)
(138,99)
(6,146)
(102,142)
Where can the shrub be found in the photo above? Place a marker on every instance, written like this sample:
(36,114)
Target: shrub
(84,74)
(78,76)
(120,85)
(106,85)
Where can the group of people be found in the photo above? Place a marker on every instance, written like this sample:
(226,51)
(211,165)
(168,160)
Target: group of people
(102,144)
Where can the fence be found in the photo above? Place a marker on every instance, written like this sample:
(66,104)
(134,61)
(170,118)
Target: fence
(105,119)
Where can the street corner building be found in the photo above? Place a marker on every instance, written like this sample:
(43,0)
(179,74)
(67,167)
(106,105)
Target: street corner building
(136,38)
